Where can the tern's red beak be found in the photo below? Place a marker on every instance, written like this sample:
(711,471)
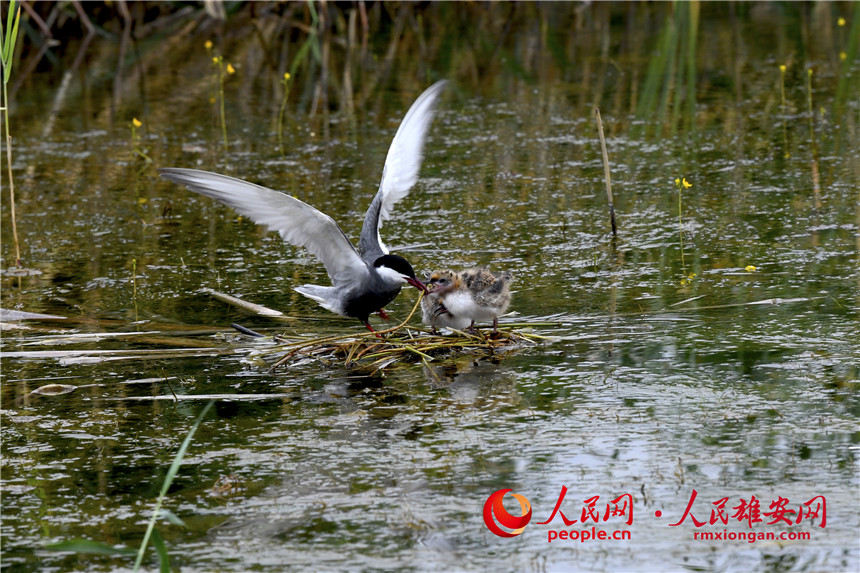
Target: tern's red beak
(417,284)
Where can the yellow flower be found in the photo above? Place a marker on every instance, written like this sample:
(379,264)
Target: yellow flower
(141,200)
(216,59)
(136,122)
(286,76)
(208,44)
(677,182)
(841,21)
(230,68)
(750,268)
(782,68)
(686,184)
(809,71)
(843,56)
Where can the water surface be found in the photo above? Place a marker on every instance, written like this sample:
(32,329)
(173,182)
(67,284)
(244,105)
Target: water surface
(674,366)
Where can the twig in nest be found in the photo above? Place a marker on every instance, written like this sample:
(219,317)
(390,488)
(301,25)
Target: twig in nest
(297,346)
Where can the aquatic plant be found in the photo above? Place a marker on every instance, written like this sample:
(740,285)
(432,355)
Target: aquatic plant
(311,45)
(285,81)
(782,69)
(847,83)
(134,286)
(157,512)
(222,72)
(151,534)
(135,140)
(810,118)
(671,76)
(784,110)
(809,111)
(8,38)
(681,183)
(606,177)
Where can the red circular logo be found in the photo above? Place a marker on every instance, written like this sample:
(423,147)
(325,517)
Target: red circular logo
(495,514)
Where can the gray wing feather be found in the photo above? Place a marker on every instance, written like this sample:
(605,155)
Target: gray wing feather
(401,170)
(297,222)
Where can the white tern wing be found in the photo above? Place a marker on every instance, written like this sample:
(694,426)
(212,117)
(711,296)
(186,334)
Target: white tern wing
(401,170)
(297,222)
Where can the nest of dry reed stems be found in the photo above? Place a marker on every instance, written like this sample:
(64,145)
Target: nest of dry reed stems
(403,344)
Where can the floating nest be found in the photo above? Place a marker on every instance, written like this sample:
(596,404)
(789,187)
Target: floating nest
(402,343)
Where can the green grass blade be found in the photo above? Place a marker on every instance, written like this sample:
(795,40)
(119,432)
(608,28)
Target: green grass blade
(168,515)
(10,39)
(6,25)
(300,56)
(4,36)
(161,549)
(168,479)
(314,27)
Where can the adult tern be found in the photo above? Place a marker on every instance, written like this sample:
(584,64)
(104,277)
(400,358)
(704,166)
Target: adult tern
(363,280)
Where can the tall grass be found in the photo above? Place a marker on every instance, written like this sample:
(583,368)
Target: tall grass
(285,81)
(8,38)
(847,83)
(670,81)
(345,56)
(783,111)
(810,118)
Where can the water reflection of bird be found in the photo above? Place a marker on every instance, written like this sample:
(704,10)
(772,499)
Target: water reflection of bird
(362,282)
(460,299)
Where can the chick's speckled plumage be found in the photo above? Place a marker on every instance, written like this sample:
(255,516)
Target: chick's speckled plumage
(433,311)
(460,299)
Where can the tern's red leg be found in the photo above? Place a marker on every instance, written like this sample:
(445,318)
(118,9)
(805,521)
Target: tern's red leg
(370,328)
(383,315)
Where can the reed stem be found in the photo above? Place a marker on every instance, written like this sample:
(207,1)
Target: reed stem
(221,100)
(8,38)
(606,176)
(282,111)
(783,108)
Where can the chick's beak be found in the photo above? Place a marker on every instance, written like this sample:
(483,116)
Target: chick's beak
(417,284)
